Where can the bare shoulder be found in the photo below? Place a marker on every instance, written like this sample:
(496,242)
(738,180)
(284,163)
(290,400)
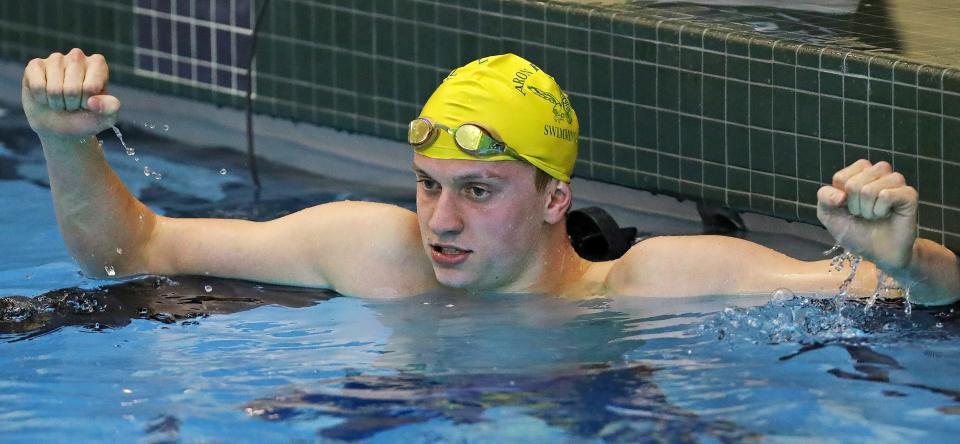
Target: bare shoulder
(369,249)
(695,265)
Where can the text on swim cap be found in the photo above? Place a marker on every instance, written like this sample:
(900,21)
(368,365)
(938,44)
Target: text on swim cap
(560,133)
(520,77)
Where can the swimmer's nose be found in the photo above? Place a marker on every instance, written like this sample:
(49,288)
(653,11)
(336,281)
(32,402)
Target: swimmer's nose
(445,218)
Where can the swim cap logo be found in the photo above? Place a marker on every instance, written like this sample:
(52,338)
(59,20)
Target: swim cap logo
(561,107)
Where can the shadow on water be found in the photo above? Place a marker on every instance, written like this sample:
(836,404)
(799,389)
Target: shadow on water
(157,298)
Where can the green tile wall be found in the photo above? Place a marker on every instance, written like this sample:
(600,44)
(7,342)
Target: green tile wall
(674,106)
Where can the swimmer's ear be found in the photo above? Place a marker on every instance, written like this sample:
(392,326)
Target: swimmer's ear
(558,201)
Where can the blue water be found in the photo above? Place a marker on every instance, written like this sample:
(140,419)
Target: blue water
(159,359)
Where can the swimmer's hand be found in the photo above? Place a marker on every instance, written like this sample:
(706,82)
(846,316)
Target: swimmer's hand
(66,95)
(871,211)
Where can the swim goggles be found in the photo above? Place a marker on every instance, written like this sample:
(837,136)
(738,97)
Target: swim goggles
(469,137)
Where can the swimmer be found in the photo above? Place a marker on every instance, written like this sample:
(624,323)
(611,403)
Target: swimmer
(494,147)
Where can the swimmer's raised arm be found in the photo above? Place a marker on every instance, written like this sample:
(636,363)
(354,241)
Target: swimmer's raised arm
(871,211)
(352,247)
(65,100)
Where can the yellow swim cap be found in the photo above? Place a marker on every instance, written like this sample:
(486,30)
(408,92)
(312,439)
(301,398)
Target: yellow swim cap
(516,99)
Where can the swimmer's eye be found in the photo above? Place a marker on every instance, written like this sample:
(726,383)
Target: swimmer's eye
(428,185)
(478,193)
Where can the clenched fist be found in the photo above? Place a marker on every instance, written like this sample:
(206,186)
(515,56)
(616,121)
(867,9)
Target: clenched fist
(66,95)
(870,210)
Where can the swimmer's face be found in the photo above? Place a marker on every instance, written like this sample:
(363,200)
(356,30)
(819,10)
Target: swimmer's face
(480,221)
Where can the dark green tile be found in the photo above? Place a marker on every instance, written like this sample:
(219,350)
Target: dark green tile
(601,118)
(808,114)
(930,77)
(668,140)
(714,97)
(738,146)
(600,77)
(761,150)
(668,55)
(785,52)
(831,84)
(881,156)
(905,73)
(715,40)
(602,173)
(646,127)
(928,101)
(784,109)
(852,153)
(809,57)
(738,179)
(784,75)
(929,182)
(669,165)
(832,59)
(601,152)
(761,72)
(951,183)
(625,157)
(951,104)
(600,43)
(785,154)
(785,188)
(714,63)
(668,33)
(690,137)
(831,160)
(738,68)
(930,217)
(691,189)
(808,80)
(690,89)
(738,200)
(855,88)
(627,178)
(646,84)
(691,170)
(951,139)
(738,45)
(623,46)
(624,130)
(881,92)
(761,183)
(714,137)
(714,174)
(760,106)
(928,135)
(691,59)
(905,131)
(881,127)
(807,191)
(905,96)
(761,203)
(668,186)
(645,51)
(668,84)
(737,102)
(951,220)
(647,161)
(935,236)
(831,118)
(785,210)
(906,165)
(855,123)
(808,158)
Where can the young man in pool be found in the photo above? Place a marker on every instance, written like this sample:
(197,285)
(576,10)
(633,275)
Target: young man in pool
(494,148)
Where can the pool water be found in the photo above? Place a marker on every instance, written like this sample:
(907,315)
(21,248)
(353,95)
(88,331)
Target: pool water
(203,359)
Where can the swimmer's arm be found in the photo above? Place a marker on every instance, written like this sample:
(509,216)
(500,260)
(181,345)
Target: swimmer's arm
(687,266)
(355,248)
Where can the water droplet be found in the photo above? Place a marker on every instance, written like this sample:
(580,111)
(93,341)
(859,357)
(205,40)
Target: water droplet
(109,269)
(157,175)
(907,307)
(207,288)
(223,171)
(129,150)
(783,294)
(166,127)
(119,250)
(449,305)
(147,171)
(426,303)
(152,126)
(939,325)
(100,144)
(127,391)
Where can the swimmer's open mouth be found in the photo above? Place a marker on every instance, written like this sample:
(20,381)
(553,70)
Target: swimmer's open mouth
(448,249)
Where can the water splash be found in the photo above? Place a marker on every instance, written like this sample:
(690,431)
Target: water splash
(208,288)
(109,269)
(223,171)
(129,149)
